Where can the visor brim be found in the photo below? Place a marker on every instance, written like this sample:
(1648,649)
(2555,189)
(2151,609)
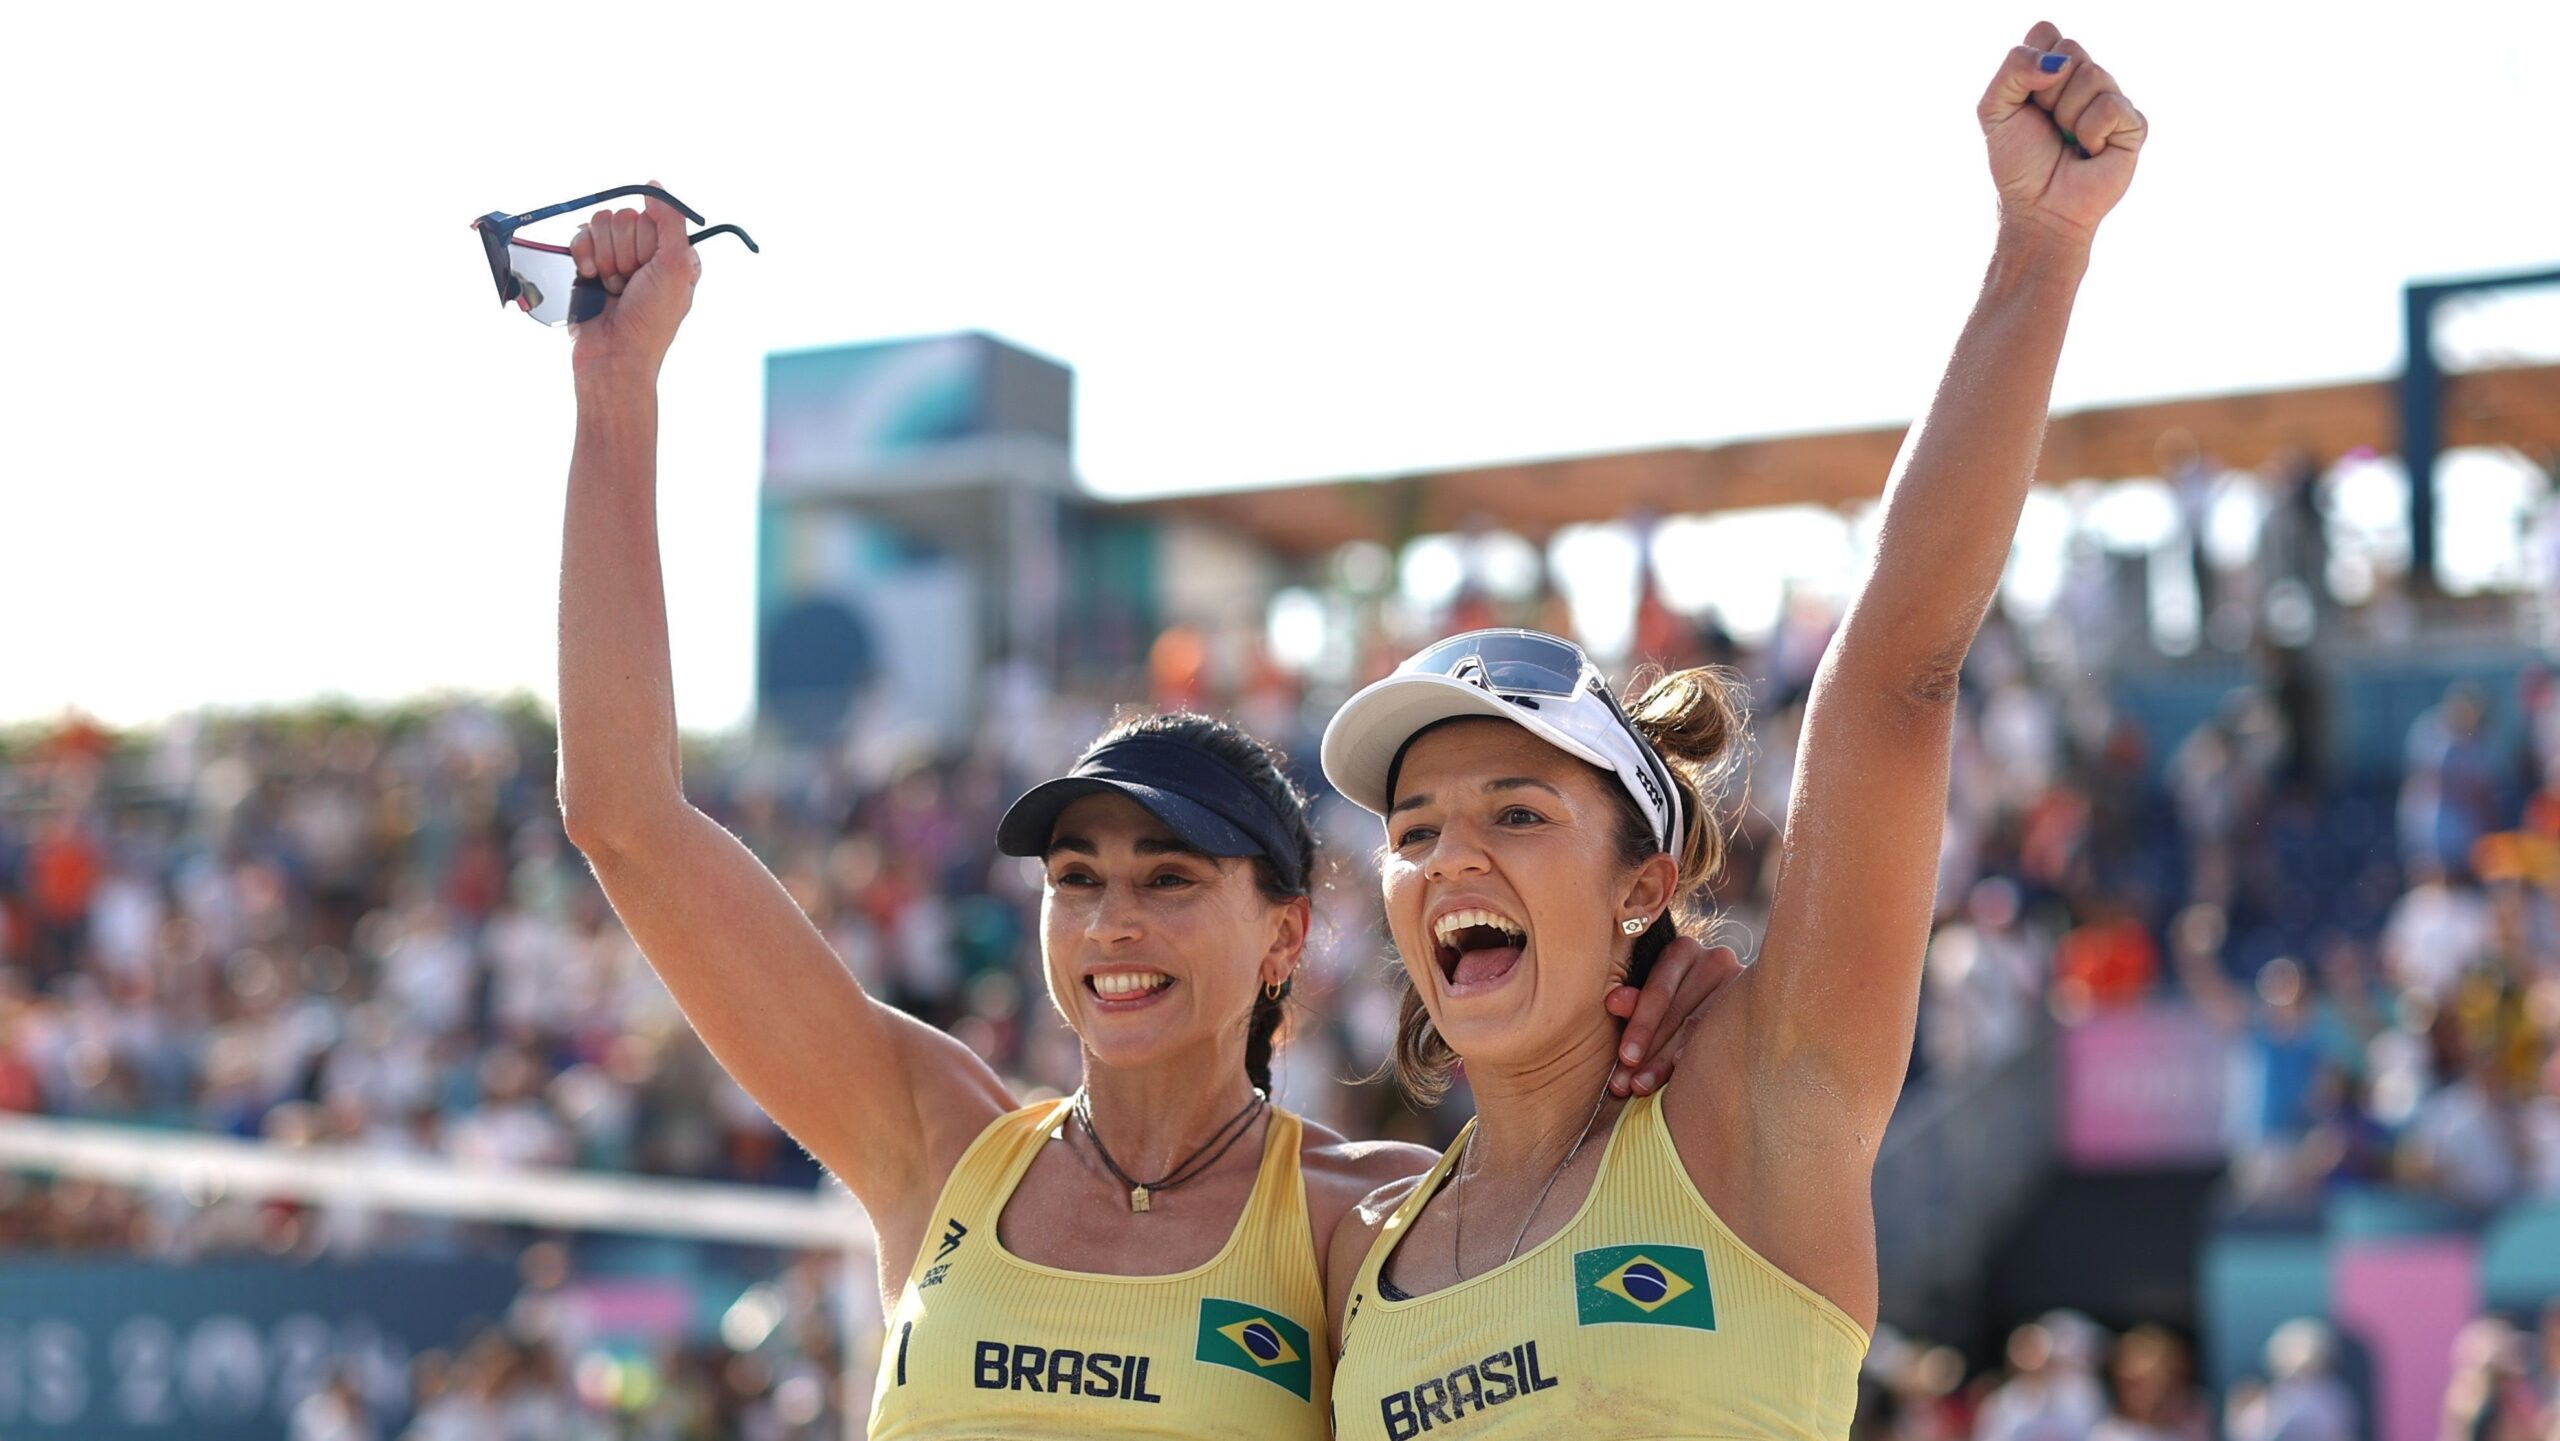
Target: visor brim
(1028,827)
(1361,743)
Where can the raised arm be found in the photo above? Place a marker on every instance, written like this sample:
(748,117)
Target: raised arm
(882,1100)
(1832,1004)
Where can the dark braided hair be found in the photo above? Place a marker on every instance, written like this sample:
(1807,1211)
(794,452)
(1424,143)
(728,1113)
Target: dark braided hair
(1261,765)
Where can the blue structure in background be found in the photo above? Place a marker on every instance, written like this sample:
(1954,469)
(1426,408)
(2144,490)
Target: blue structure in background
(917,500)
(2422,402)
(106,1350)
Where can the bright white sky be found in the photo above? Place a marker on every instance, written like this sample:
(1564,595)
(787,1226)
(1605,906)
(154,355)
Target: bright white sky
(268,435)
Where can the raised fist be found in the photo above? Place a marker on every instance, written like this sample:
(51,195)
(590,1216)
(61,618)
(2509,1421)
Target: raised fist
(2062,137)
(648,270)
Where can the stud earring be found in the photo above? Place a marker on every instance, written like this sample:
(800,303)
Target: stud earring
(1634,925)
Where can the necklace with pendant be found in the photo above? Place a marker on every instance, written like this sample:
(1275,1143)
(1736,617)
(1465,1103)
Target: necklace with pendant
(1140,1192)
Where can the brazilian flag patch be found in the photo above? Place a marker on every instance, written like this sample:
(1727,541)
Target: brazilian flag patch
(1257,1342)
(1643,1286)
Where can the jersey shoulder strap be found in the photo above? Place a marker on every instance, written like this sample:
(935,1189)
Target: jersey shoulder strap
(1366,1283)
(984,1177)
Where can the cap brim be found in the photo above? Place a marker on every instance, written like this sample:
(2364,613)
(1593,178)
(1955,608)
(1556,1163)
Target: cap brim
(1361,742)
(1028,827)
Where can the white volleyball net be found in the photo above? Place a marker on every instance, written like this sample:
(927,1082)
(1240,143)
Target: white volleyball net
(449,1293)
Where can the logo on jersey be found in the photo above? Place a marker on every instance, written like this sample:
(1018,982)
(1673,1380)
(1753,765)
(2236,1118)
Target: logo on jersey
(1643,1286)
(940,1268)
(1496,1380)
(1257,1342)
(1064,1372)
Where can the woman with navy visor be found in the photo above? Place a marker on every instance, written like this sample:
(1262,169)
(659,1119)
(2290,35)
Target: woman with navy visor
(1700,1261)
(1140,1260)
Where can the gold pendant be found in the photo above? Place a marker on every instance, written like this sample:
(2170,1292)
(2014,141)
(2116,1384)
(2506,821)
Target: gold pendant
(1137,1198)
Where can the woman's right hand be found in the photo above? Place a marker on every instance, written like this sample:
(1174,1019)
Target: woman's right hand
(648,270)
(1661,1017)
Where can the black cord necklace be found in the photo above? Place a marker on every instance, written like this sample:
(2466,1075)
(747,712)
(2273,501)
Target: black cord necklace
(1230,1133)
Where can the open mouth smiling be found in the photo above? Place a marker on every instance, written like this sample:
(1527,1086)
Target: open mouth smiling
(1476,946)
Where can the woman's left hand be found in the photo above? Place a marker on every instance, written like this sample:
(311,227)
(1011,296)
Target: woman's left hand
(1685,977)
(2062,140)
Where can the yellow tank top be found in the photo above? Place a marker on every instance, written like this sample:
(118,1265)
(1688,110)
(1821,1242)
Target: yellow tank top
(986,1344)
(1643,1317)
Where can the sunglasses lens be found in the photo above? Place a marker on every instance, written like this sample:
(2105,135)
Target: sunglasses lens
(1506,661)
(494,248)
(543,275)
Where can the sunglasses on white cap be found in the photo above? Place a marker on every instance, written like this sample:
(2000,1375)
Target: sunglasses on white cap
(1542,683)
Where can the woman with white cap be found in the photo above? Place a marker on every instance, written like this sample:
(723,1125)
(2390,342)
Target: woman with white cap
(1701,1261)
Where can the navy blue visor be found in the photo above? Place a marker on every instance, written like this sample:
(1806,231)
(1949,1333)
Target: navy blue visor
(1199,797)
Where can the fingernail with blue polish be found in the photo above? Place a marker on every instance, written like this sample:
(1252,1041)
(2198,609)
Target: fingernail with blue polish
(2053,62)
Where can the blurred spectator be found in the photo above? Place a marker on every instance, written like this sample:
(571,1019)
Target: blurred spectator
(1984,980)
(2051,1393)
(2295,1116)
(2107,961)
(2346,1146)
(2293,547)
(2152,1394)
(2437,931)
(2449,798)
(335,1412)
(2220,780)
(2491,1397)
(1912,1391)
(2303,1399)
(62,867)
(2464,1144)
(449,1399)
(2193,484)
(2023,727)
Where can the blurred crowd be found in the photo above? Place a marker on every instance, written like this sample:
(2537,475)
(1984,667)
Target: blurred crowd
(345,931)
(2423,1053)
(366,929)
(773,1373)
(2066,1378)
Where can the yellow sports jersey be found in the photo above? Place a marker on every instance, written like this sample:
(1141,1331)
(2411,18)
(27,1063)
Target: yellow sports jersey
(987,1344)
(1643,1317)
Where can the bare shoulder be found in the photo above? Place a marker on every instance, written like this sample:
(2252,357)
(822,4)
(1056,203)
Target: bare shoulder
(1353,1236)
(1341,1173)
(1370,1213)
(1352,1188)
(1360,1224)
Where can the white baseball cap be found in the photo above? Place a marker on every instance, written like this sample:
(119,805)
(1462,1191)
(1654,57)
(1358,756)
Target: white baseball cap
(1539,682)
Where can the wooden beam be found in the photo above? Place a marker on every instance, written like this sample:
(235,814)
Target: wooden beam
(2512,407)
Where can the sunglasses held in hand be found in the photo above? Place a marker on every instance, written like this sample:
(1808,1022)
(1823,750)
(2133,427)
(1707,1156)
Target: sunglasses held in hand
(542,280)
